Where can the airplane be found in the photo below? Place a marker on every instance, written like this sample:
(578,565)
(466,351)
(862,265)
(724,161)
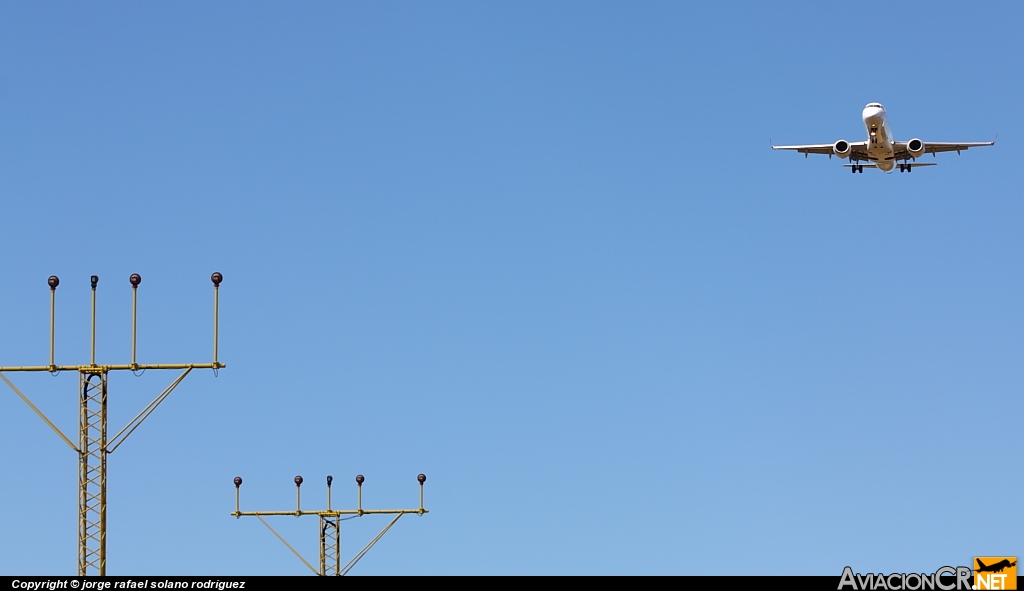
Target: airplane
(994,568)
(881,150)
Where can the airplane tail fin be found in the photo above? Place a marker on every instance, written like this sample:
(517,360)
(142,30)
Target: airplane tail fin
(980,563)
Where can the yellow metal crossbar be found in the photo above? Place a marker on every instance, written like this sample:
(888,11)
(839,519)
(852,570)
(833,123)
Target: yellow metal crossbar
(335,513)
(125,367)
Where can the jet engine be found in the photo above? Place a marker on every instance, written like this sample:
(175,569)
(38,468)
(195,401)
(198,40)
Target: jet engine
(842,148)
(915,147)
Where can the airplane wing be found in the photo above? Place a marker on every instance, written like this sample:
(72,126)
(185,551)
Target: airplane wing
(807,149)
(858,150)
(936,147)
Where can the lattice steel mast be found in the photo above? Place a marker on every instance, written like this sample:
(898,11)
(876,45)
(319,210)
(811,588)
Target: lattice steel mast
(93,445)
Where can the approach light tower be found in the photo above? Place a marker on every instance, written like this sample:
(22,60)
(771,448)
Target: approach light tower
(330,524)
(93,444)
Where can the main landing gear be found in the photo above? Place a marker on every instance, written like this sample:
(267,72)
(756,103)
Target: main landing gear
(855,168)
(906,167)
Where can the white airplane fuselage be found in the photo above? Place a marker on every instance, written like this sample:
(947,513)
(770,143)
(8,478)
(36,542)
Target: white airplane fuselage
(880,138)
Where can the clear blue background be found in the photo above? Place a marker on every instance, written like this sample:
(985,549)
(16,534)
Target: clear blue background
(542,253)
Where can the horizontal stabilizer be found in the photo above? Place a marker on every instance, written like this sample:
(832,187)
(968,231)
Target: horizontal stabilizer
(907,165)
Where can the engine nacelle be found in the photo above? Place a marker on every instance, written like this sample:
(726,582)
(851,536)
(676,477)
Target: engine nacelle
(841,148)
(915,147)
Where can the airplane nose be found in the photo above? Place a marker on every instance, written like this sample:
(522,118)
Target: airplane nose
(870,112)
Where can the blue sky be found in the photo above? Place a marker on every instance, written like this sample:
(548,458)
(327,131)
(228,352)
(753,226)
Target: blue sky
(542,253)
